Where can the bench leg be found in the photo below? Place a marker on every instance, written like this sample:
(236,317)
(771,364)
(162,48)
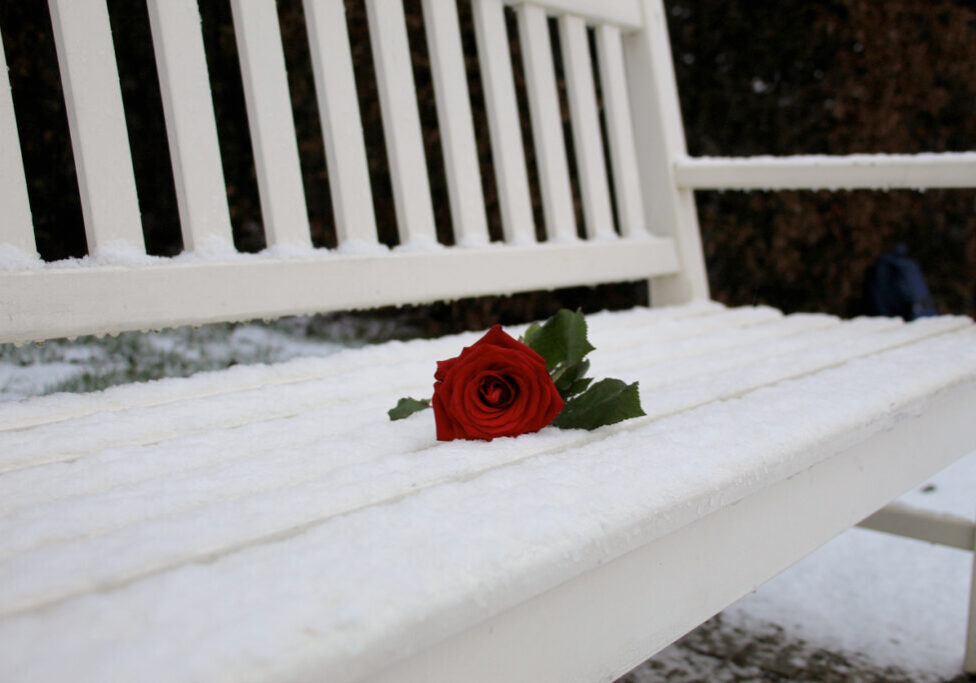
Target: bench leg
(969,662)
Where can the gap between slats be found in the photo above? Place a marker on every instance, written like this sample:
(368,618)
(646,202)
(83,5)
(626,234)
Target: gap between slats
(16,227)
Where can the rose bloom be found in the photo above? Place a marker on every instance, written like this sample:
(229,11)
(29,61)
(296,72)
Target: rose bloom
(496,387)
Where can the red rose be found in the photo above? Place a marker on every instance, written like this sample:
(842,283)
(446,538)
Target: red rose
(496,387)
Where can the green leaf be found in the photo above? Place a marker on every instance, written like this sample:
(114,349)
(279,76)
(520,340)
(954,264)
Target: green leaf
(406,407)
(561,339)
(569,379)
(605,403)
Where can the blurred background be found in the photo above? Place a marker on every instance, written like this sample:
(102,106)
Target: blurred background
(788,77)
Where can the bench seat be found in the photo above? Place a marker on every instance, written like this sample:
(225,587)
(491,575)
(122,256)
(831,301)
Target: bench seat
(270,523)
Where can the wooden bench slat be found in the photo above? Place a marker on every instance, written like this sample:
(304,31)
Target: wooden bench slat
(588,142)
(686,377)
(547,125)
(342,128)
(326,487)
(191,128)
(155,484)
(37,410)
(177,291)
(455,123)
(88,434)
(620,133)
(401,122)
(271,123)
(17,226)
(507,151)
(96,120)
(642,469)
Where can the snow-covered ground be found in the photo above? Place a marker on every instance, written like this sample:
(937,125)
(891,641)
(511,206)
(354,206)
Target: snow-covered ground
(864,607)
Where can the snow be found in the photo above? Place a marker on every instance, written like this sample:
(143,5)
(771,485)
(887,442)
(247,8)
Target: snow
(877,599)
(146,501)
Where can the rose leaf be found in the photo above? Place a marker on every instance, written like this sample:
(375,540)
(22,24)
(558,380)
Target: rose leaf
(607,402)
(561,339)
(407,406)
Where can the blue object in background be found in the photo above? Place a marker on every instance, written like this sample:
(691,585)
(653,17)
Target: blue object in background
(896,286)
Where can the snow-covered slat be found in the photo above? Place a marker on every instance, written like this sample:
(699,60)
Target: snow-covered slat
(190,125)
(342,128)
(164,294)
(38,410)
(504,127)
(547,125)
(16,228)
(455,122)
(271,123)
(327,487)
(852,172)
(620,134)
(622,13)
(19,448)
(739,359)
(401,122)
(387,594)
(96,120)
(588,141)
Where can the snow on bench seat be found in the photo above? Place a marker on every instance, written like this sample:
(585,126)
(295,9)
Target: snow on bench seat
(270,523)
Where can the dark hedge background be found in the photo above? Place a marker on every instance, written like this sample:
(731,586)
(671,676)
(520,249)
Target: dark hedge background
(790,77)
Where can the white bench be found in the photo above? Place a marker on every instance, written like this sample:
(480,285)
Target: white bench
(270,523)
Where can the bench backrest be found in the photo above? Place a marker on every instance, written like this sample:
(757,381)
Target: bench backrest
(655,235)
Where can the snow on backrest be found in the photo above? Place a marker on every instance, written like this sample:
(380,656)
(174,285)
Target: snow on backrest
(572,56)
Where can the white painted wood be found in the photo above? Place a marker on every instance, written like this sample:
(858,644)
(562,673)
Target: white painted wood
(164,294)
(342,128)
(184,85)
(97,123)
(858,171)
(270,120)
(401,121)
(640,603)
(547,126)
(969,659)
(504,127)
(623,13)
(620,132)
(924,525)
(16,228)
(588,141)
(455,122)
(647,575)
(659,140)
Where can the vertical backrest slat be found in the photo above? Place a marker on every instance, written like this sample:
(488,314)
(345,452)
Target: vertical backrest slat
(598,218)
(99,140)
(342,127)
(547,127)
(659,140)
(190,125)
(455,122)
(16,226)
(508,156)
(401,121)
(620,133)
(271,123)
